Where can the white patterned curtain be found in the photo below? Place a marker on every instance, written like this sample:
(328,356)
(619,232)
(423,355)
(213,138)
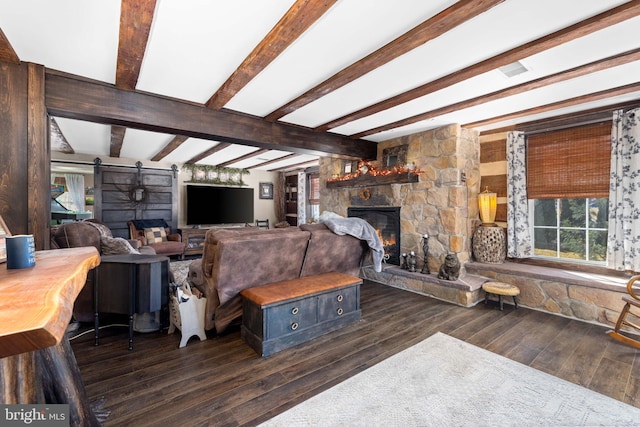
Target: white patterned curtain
(518,230)
(75,185)
(623,245)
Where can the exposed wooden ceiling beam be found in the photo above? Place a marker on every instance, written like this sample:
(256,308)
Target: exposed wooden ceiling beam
(58,139)
(596,96)
(117,138)
(245,157)
(221,146)
(136,17)
(457,14)
(588,26)
(298,18)
(279,159)
(7,54)
(82,99)
(172,145)
(613,61)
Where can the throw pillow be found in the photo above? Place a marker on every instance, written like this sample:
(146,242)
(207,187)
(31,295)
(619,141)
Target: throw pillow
(116,246)
(155,235)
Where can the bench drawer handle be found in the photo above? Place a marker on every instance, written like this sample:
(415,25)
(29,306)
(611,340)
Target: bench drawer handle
(340,298)
(340,311)
(294,310)
(294,326)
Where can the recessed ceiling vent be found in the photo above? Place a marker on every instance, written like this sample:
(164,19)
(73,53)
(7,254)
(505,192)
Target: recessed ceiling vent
(513,69)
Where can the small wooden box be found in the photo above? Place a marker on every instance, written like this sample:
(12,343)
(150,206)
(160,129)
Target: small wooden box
(281,315)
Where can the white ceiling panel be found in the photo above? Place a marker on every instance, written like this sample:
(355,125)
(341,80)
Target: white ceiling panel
(195,45)
(75,36)
(86,137)
(351,30)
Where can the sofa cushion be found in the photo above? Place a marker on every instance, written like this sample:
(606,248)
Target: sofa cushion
(168,247)
(116,246)
(155,235)
(328,251)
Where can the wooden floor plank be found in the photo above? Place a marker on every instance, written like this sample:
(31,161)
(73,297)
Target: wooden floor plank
(222,381)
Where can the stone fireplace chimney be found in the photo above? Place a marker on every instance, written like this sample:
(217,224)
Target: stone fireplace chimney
(442,204)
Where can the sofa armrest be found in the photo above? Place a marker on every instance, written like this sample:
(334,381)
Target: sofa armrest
(174,237)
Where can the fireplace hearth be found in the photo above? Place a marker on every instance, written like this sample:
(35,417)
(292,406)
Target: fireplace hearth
(386,221)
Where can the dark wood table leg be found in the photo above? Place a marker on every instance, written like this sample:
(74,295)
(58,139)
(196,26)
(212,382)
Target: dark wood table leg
(132,302)
(96,316)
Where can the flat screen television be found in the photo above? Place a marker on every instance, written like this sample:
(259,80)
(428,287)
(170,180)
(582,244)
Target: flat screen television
(219,205)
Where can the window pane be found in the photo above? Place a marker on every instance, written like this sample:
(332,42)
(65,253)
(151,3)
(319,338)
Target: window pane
(545,242)
(598,213)
(573,213)
(597,245)
(573,244)
(544,212)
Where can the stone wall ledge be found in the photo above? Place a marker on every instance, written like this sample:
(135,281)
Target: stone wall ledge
(468,282)
(591,297)
(466,291)
(568,277)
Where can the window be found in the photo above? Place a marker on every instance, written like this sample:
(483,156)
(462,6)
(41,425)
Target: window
(571,229)
(568,190)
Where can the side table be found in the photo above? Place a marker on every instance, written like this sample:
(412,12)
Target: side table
(130,284)
(490,244)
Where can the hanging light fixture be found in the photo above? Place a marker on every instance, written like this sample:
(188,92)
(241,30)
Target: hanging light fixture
(487,203)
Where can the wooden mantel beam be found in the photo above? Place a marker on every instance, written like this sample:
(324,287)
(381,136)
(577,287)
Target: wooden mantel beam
(78,98)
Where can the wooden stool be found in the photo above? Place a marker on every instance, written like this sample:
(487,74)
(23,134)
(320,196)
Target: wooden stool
(500,289)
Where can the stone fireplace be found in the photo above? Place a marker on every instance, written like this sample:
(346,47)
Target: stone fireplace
(386,221)
(440,202)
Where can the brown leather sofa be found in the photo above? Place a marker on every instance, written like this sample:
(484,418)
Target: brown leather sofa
(237,259)
(90,233)
(170,243)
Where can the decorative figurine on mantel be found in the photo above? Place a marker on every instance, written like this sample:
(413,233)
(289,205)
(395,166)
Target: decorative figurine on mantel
(425,250)
(412,262)
(450,268)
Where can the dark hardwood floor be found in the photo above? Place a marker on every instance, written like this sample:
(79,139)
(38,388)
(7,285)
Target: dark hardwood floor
(222,382)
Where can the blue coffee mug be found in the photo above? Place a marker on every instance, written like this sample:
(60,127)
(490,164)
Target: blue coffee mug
(21,252)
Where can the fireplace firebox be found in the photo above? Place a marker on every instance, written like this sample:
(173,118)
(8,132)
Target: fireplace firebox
(386,221)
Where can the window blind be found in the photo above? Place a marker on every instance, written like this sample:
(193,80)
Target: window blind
(569,163)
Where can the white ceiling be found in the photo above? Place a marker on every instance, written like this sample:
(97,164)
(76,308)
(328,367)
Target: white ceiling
(195,45)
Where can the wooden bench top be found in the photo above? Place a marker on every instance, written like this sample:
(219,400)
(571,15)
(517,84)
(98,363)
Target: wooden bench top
(304,286)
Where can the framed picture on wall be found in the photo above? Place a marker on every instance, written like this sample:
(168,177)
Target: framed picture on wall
(266,190)
(4,232)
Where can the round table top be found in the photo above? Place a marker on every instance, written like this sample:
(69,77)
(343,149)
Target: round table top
(500,288)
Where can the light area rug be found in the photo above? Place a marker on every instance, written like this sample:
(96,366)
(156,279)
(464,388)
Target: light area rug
(443,381)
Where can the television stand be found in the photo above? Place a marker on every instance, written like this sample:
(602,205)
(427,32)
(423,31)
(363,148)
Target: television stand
(194,240)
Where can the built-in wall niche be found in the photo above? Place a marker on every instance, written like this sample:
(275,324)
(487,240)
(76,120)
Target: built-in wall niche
(394,156)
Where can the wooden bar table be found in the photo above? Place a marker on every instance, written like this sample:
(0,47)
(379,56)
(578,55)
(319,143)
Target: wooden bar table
(37,364)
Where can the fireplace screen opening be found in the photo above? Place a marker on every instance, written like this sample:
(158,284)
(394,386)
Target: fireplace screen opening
(386,221)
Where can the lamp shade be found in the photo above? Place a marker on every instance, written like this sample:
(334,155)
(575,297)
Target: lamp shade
(487,203)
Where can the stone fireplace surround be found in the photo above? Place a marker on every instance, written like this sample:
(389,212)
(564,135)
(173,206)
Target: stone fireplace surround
(445,207)
(442,204)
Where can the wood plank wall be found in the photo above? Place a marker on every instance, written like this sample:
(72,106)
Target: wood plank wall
(493,169)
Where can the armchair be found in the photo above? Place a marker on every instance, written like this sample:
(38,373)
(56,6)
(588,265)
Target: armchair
(155,233)
(98,235)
